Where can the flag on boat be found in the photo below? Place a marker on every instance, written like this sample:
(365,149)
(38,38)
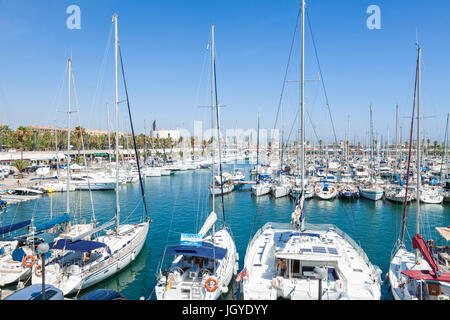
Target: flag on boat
(242,275)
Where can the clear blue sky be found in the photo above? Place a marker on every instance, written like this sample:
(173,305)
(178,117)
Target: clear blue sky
(164,46)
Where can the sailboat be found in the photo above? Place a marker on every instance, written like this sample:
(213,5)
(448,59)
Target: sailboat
(300,261)
(79,263)
(417,275)
(19,256)
(262,186)
(204,264)
(371,190)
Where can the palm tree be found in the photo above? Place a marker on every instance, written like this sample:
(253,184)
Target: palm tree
(23,135)
(79,133)
(192,145)
(20,165)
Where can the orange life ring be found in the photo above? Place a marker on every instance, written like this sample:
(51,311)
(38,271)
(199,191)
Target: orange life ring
(430,243)
(37,271)
(53,230)
(26,258)
(207,286)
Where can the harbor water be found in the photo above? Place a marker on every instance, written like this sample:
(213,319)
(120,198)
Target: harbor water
(181,202)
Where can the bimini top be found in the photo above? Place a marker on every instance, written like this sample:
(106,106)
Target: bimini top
(206,250)
(80,245)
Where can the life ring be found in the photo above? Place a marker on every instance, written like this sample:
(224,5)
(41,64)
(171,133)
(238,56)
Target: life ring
(53,230)
(208,287)
(25,260)
(37,271)
(430,243)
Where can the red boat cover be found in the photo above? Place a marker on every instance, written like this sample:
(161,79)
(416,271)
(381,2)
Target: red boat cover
(419,243)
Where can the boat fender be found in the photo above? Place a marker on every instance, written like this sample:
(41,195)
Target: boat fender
(26,261)
(224,289)
(37,270)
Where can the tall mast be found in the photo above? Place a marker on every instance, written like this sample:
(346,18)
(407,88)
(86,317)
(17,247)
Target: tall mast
(418,149)
(116,43)
(68,138)
(212,114)
(371,144)
(444,155)
(397,138)
(302,94)
(109,135)
(56,150)
(257,151)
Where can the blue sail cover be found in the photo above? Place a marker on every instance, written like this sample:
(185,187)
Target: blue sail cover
(80,245)
(206,250)
(12,227)
(52,223)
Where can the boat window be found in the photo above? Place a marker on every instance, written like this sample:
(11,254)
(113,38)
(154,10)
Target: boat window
(332,274)
(308,272)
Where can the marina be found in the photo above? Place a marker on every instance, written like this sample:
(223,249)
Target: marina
(374,225)
(302,208)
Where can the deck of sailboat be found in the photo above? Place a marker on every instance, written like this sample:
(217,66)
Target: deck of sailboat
(323,246)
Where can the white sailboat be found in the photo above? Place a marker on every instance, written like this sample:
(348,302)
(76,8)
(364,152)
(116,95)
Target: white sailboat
(77,263)
(370,189)
(304,261)
(417,275)
(201,270)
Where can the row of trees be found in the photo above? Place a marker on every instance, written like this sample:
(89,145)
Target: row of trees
(26,139)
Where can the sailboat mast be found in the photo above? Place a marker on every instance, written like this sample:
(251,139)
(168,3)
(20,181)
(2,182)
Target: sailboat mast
(302,94)
(257,151)
(109,135)
(418,149)
(212,115)
(68,138)
(116,43)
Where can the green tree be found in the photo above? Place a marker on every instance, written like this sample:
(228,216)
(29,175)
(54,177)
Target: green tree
(24,138)
(20,165)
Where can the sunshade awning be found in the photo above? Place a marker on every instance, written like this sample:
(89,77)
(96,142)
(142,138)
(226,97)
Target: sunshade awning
(206,250)
(80,245)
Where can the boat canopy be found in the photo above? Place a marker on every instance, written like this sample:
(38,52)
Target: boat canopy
(206,250)
(54,222)
(12,227)
(80,245)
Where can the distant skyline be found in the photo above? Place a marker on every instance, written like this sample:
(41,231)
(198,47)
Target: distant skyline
(167,65)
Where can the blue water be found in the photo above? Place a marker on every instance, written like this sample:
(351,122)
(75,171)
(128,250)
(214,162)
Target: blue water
(180,203)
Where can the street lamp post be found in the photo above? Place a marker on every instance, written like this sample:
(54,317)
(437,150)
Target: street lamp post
(43,249)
